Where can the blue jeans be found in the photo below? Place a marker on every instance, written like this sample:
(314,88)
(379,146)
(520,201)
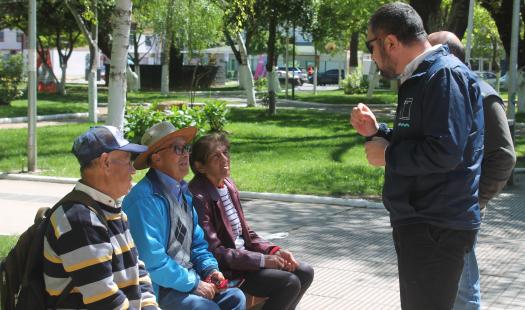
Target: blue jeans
(469,295)
(231,299)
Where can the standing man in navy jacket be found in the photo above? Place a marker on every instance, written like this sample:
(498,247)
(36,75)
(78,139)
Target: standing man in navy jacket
(432,156)
(499,159)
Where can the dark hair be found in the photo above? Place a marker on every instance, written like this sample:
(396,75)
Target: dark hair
(456,49)
(204,146)
(399,19)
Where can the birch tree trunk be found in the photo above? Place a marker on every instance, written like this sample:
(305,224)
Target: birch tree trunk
(246,76)
(165,61)
(92,79)
(92,39)
(121,20)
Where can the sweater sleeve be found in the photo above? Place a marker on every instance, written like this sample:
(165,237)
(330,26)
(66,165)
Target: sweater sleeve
(82,245)
(447,123)
(499,156)
(148,220)
(148,299)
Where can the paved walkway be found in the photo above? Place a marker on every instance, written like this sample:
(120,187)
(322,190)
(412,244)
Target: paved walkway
(350,248)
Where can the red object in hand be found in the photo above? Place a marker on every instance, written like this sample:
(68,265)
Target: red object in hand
(218,283)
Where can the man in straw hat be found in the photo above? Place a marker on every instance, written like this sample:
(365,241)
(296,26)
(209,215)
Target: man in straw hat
(90,260)
(165,228)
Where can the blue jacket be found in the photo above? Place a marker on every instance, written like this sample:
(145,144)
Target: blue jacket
(436,147)
(149,220)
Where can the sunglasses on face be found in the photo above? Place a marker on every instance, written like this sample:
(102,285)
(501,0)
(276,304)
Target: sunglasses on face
(179,150)
(369,45)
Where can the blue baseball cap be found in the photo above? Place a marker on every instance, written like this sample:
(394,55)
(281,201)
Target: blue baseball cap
(102,139)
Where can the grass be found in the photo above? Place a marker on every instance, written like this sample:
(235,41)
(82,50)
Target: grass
(76,100)
(296,151)
(6,243)
(339,97)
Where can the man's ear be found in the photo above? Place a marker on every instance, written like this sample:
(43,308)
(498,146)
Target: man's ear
(103,161)
(155,157)
(390,43)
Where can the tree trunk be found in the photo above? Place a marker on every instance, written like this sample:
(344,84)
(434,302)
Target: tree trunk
(121,20)
(458,18)
(272,28)
(430,12)
(165,62)
(62,85)
(354,42)
(247,77)
(316,69)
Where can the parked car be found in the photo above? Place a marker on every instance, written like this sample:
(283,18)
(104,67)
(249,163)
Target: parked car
(330,77)
(504,81)
(299,77)
(488,77)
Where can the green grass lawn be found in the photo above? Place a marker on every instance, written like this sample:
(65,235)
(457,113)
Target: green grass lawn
(339,97)
(306,152)
(76,100)
(6,243)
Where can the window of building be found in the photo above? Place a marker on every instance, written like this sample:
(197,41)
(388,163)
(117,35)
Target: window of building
(148,41)
(1,35)
(19,36)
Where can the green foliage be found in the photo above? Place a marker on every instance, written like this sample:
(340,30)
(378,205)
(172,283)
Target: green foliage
(261,84)
(11,75)
(138,119)
(216,113)
(354,83)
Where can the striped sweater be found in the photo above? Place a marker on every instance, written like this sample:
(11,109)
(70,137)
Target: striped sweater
(101,261)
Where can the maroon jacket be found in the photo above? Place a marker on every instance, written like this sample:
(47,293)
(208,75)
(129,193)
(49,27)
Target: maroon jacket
(213,220)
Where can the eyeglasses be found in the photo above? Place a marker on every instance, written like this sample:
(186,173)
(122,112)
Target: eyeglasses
(122,162)
(369,45)
(179,150)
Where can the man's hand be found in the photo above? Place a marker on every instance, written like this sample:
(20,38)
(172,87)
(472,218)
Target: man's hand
(217,275)
(290,264)
(363,120)
(206,290)
(273,262)
(375,151)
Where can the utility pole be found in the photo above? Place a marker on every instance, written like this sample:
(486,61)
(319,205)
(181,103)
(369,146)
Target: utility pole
(513,72)
(31,89)
(293,65)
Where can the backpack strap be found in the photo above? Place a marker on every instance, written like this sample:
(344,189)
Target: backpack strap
(76,196)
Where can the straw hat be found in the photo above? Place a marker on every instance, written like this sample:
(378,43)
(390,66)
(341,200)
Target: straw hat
(159,136)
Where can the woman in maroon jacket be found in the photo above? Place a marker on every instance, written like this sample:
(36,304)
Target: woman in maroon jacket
(268,270)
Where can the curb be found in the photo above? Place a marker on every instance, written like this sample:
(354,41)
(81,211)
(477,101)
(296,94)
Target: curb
(357,203)
(52,117)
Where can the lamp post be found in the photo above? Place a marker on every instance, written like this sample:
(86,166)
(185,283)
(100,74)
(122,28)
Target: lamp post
(31,89)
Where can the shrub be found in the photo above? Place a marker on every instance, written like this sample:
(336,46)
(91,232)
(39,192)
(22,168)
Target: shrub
(11,76)
(354,83)
(216,112)
(211,117)
(261,84)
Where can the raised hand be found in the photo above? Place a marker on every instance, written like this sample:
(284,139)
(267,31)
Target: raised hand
(363,120)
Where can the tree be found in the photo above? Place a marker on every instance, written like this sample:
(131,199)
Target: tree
(277,14)
(121,21)
(56,28)
(236,16)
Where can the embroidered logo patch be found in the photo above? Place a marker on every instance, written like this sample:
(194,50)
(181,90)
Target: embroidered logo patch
(405,110)
(405,125)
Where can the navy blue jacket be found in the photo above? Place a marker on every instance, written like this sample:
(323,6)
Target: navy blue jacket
(436,147)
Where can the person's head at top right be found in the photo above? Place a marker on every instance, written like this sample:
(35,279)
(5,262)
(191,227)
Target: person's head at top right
(395,37)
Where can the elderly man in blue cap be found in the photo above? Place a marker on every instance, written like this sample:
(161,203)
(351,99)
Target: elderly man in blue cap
(90,260)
